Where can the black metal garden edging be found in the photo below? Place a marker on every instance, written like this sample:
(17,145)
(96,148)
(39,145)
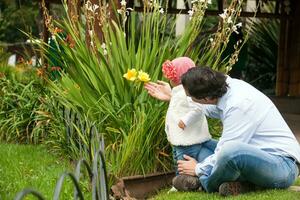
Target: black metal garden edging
(97,174)
(96,170)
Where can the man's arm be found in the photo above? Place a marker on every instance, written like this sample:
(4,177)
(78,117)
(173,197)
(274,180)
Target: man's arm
(211,111)
(190,166)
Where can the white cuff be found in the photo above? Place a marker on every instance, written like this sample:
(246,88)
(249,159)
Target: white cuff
(198,170)
(201,169)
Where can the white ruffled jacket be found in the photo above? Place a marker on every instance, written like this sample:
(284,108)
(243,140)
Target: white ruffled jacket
(183,108)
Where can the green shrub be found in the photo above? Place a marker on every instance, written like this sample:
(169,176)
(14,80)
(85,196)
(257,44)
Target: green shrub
(262,50)
(26,107)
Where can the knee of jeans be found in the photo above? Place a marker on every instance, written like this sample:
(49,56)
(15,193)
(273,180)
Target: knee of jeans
(228,151)
(179,157)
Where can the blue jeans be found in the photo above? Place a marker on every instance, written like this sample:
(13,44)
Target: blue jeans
(243,162)
(196,151)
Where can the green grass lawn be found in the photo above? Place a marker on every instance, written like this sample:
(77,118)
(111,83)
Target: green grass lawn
(26,166)
(262,195)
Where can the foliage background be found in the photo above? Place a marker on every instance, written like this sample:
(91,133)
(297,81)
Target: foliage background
(262,51)
(18,15)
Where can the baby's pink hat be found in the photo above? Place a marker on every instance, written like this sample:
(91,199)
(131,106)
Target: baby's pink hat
(173,70)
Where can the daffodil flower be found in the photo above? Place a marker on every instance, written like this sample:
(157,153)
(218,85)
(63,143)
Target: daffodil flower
(143,76)
(131,74)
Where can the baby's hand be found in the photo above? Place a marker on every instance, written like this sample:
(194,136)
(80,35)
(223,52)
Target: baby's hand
(181,125)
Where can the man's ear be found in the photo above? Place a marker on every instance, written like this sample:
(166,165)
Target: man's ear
(212,100)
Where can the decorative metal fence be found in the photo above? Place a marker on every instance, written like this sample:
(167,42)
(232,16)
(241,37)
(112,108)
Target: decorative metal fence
(96,170)
(78,127)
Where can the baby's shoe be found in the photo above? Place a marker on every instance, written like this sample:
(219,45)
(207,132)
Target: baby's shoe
(186,183)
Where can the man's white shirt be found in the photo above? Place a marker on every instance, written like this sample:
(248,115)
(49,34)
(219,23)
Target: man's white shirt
(248,116)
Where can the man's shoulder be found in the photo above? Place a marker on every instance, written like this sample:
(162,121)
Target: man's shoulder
(239,104)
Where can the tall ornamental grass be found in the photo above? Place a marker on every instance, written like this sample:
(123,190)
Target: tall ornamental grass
(94,62)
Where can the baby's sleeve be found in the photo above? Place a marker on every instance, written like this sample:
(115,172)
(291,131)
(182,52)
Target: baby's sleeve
(195,114)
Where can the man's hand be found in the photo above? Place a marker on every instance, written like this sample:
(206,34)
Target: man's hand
(160,90)
(181,124)
(187,166)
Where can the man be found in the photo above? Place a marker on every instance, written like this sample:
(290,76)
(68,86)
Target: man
(257,148)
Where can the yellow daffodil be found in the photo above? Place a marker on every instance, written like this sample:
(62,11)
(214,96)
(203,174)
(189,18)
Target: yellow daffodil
(130,75)
(143,76)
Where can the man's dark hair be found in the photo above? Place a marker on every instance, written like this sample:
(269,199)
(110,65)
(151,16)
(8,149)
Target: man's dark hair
(203,82)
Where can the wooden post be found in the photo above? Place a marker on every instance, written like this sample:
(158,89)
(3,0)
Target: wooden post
(294,50)
(288,65)
(45,32)
(282,78)
(97,27)
(74,9)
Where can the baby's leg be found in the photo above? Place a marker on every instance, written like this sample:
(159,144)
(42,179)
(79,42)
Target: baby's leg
(179,151)
(207,149)
(191,150)
(180,181)
(174,148)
